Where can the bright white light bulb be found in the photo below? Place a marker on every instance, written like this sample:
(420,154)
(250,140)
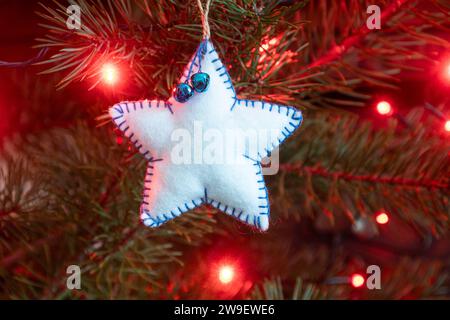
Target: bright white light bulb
(226,274)
(109,74)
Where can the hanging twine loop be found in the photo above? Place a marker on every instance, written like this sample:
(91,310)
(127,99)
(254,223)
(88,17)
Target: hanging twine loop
(204,12)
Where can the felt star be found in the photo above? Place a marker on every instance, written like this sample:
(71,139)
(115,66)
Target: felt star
(175,183)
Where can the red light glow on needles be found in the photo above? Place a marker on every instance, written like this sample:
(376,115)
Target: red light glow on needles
(269,44)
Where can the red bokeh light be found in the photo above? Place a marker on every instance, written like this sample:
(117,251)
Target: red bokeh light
(357,280)
(447,71)
(384,108)
(226,274)
(382,218)
(110,74)
(447,126)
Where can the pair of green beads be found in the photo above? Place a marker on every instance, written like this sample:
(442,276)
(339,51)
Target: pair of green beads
(184,91)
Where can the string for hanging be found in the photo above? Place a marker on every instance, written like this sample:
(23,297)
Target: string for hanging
(204,12)
(197,82)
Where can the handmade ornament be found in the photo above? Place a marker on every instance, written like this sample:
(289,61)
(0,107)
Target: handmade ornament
(204,105)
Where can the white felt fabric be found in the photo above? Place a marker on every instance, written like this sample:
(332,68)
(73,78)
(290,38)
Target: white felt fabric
(235,186)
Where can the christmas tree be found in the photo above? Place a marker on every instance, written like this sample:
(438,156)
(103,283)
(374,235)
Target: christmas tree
(359,206)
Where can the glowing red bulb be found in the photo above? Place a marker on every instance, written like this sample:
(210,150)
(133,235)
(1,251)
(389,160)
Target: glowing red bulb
(384,108)
(447,71)
(382,218)
(357,280)
(226,274)
(110,74)
(447,126)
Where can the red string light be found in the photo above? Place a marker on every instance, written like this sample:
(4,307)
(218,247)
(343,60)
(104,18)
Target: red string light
(382,218)
(447,125)
(317,171)
(357,280)
(384,108)
(447,71)
(226,274)
(110,74)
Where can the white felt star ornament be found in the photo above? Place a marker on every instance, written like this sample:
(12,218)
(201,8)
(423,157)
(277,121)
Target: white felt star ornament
(236,188)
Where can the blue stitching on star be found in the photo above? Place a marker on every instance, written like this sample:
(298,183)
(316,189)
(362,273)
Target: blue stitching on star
(263,196)
(225,74)
(296,114)
(126,104)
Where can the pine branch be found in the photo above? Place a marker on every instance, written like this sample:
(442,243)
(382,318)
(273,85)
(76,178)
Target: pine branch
(414,280)
(79,183)
(351,41)
(347,168)
(412,183)
(273,290)
(37,245)
(276,54)
(96,227)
